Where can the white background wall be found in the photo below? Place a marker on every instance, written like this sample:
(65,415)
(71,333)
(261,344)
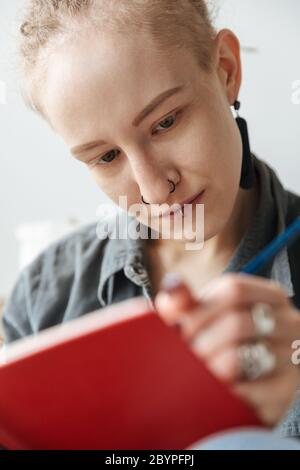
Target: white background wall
(40,181)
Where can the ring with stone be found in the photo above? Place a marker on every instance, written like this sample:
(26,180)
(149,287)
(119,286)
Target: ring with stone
(256,360)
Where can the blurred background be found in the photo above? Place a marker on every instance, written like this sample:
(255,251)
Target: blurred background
(44,193)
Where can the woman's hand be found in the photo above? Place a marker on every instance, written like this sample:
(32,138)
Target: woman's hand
(219,321)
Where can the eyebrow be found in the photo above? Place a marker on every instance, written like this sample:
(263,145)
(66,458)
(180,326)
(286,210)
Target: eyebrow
(136,122)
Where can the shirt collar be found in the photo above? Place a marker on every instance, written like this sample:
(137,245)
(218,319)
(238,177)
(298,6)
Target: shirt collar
(125,254)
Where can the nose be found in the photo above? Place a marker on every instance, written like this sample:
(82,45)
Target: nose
(151,177)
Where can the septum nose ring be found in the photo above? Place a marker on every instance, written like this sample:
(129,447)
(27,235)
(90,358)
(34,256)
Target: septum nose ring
(172,191)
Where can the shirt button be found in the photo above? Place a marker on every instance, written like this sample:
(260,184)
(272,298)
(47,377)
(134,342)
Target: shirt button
(139,270)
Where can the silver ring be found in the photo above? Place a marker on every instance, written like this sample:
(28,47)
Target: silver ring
(256,360)
(263,319)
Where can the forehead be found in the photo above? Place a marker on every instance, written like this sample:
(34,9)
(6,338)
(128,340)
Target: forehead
(99,77)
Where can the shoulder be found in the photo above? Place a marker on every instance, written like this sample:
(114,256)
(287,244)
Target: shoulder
(50,289)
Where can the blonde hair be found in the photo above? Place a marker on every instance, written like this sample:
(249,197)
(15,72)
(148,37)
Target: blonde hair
(171,24)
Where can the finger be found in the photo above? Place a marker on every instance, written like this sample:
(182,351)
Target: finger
(227,366)
(227,330)
(211,333)
(241,289)
(174,298)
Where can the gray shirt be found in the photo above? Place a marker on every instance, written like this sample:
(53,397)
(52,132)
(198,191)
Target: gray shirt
(83,272)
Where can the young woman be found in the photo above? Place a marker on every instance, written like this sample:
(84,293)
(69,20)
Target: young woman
(143,93)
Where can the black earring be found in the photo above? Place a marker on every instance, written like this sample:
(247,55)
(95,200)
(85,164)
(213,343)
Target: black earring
(247,172)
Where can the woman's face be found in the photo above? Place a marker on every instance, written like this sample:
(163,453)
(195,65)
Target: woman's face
(98,85)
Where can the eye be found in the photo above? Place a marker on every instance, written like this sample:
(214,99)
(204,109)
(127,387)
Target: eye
(168,122)
(106,158)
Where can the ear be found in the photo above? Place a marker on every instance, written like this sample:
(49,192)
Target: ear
(228,63)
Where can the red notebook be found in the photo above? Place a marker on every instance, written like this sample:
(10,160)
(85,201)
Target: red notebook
(117,378)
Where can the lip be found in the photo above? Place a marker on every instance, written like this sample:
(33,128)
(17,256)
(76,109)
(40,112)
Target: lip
(187,201)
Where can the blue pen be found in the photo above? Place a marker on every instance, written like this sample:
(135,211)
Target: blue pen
(284,240)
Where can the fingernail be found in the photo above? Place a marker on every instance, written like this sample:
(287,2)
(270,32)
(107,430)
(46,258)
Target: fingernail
(171,282)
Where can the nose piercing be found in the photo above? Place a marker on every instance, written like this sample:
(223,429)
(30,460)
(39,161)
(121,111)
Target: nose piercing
(145,201)
(174,186)
(172,191)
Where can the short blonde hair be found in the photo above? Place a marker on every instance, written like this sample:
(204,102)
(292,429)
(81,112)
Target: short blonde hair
(171,24)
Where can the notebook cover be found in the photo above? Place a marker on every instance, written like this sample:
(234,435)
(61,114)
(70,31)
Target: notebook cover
(128,384)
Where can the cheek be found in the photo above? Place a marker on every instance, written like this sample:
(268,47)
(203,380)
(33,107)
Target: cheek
(222,198)
(102,183)
(224,179)
(224,156)
(117,192)
(106,187)
(217,212)
(213,148)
